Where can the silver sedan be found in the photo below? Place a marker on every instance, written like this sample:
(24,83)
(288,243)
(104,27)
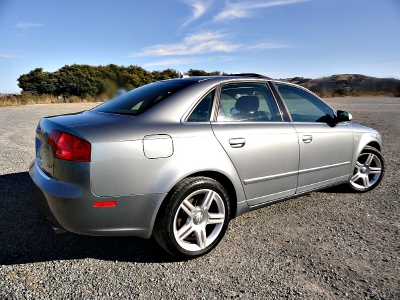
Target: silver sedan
(179,158)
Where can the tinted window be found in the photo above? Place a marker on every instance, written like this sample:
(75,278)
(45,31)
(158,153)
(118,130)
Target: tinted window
(303,106)
(141,99)
(247,102)
(203,110)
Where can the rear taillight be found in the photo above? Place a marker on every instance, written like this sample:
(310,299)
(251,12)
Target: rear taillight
(69,147)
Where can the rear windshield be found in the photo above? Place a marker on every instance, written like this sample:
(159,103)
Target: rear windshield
(143,98)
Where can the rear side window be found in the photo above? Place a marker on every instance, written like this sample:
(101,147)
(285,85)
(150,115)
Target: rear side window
(143,98)
(202,111)
(247,102)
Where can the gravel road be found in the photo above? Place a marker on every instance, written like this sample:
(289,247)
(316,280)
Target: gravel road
(325,245)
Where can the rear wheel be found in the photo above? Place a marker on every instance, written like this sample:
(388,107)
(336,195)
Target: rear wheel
(368,171)
(194,218)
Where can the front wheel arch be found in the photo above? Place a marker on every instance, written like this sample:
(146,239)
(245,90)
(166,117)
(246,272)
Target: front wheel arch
(368,171)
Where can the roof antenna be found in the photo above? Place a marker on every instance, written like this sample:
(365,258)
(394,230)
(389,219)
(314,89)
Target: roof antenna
(181,75)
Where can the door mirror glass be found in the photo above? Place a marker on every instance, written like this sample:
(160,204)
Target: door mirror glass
(343,116)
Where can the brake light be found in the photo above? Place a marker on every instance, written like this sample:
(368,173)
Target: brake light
(69,147)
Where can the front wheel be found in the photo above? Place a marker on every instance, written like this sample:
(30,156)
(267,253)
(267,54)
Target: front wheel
(368,171)
(194,218)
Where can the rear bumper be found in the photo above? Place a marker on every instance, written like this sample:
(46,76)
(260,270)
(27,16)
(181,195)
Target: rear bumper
(69,207)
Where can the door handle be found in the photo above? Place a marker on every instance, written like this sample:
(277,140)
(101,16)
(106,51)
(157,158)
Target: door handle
(307,139)
(237,142)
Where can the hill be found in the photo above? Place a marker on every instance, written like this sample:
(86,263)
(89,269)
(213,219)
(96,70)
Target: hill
(349,84)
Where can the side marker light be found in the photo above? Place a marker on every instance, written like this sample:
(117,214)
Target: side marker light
(105,204)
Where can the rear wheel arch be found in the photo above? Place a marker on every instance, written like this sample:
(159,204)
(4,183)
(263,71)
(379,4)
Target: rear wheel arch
(217,176)
(226,183)
(182,204)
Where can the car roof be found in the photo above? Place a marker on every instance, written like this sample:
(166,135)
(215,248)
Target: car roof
(221,78)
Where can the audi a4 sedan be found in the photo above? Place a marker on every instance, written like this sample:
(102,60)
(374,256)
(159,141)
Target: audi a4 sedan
(178,159)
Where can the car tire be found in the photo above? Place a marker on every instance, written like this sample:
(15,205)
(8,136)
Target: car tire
(369,170)
(194,218)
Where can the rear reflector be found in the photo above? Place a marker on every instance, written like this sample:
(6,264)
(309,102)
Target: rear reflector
(69,147)
(105,204)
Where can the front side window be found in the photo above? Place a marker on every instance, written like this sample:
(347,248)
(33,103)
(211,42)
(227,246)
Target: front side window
(247,102)
(303,106)
(143,98)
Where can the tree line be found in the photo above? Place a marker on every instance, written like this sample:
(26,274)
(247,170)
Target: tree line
(94,81)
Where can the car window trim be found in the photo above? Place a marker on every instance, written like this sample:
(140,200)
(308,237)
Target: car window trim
(286,117)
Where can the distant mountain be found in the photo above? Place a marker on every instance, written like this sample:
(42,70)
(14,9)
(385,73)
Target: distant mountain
(349,84)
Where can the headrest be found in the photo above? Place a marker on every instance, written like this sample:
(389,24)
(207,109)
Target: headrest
(247,103)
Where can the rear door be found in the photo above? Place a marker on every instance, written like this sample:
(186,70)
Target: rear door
(263,149)
(325,149)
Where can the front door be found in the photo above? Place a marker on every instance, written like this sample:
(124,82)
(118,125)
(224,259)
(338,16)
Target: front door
(325,149)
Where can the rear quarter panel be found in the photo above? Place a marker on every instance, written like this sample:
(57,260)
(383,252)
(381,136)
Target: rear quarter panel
(121,168)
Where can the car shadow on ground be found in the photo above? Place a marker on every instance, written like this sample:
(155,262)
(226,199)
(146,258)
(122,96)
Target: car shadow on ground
(338,189)
(26,237)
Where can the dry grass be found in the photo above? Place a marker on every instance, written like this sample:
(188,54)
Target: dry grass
(355,94)
(27,98)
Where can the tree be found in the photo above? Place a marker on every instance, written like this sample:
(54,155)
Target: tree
(37,82)
(195,72)
(163,75)
(83,80)
(397,92)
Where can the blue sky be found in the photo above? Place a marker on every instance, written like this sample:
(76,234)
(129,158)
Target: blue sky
(277,38)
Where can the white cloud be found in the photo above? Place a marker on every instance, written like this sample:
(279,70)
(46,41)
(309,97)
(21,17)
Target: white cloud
(204,42)
(245,9)
(7,55)
(199,7)
(24,25)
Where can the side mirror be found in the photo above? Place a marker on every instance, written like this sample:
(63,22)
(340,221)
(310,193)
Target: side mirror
(343,116)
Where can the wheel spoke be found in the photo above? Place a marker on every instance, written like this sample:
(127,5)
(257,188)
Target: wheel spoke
(375,170)
(358,165)
(201,237)
(369,159)
(208,198)
(184,231)
(355,177)
(188,207)
(215,218)
(365,181)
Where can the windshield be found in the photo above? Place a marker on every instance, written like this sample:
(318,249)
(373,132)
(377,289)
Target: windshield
(143,98)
